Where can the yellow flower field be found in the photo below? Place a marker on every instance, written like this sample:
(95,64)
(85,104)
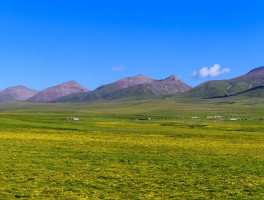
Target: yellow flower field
(131,160)
(111,154)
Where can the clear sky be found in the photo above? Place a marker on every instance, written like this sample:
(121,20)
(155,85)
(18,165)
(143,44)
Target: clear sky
(47,42)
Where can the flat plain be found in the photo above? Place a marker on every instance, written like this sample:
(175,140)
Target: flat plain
(188,150)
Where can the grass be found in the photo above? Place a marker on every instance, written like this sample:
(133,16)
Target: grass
(110,154)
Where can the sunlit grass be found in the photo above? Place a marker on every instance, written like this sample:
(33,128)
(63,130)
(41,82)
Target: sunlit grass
(45,156)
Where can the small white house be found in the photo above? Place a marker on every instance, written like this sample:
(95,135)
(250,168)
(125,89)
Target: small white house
(194,117)
(233,119)
(75,119)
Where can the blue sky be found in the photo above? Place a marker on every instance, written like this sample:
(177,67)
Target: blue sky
(44,43)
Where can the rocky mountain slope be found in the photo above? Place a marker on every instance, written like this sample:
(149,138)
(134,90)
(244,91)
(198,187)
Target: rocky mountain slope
(137,87)
(225,88)
(123,83)
(17,93)
(59,91)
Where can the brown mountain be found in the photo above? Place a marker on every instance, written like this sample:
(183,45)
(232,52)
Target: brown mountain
(137,87)
(124,83)
(131,81)
(155,89)
(17,93)
(59,91)
(172,85)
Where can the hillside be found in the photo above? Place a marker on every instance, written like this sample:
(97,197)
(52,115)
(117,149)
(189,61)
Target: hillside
(138,87)
(59,91)
(225,88)
(17,93)
(255,92)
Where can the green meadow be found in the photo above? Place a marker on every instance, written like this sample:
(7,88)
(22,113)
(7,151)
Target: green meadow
(111,153)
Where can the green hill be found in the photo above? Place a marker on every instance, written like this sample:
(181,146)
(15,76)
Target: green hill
(224,88)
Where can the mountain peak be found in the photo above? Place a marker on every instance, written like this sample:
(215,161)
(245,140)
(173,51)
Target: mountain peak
(19,86)
(257,73)
(135,80)
(141,76)
(60,90)
(16,93)
(70,83)
(16,87)
(172,78)
(256,70)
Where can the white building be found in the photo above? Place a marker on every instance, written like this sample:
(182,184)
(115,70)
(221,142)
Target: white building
(233,119)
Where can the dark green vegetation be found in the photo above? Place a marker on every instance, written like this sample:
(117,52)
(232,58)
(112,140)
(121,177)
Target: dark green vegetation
(110,154)
(137,92)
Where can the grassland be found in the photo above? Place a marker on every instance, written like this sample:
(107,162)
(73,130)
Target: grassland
(110,154)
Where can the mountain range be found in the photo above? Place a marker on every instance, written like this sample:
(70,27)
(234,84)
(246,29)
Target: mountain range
(137,87)
(17,93)
(140,87)
(70,87)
